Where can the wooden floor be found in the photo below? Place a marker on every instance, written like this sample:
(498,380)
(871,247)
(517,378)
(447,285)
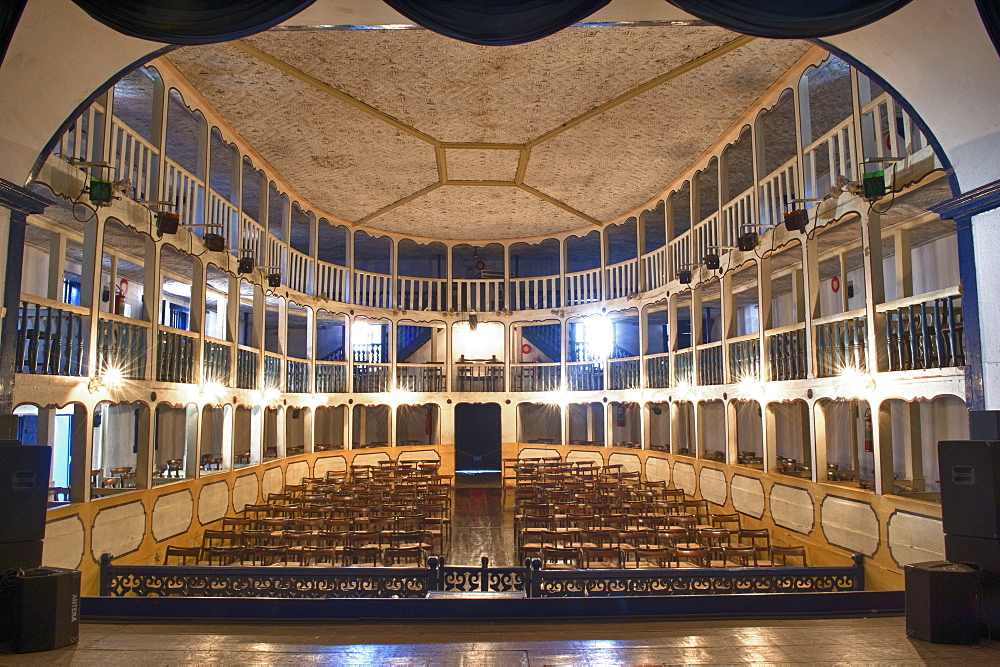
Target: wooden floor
(481,526)
(878,641)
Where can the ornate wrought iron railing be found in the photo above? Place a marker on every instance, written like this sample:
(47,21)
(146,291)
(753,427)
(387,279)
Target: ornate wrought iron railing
(388,582)
(695,581)
(711,368)
(585,376)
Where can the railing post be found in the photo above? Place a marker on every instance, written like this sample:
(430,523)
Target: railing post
(533,580)
(859,576)
(434,576)
(484,574)
(105,578)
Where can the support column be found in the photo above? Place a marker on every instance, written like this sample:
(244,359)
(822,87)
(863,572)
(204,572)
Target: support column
(81,454)
(144,460)
(882,436)
(152,289)
(20,203)
(915,450)
(871,242)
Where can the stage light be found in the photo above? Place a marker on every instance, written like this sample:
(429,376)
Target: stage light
(711,261)
(167,223)
(796,221)
(246,264)
(684,277)
(747,241)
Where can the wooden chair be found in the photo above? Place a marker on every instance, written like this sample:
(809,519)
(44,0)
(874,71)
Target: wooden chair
(655,557)
(276,554)
(696,557)
(404,557)
(780,555)
(187,555)
(603,557)
(368,555)
(560,558)
(760,540)
(740,556)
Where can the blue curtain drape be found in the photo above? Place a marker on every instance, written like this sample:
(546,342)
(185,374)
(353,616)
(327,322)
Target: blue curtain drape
(496,22)
(790,19)
(989,10)
(191,21)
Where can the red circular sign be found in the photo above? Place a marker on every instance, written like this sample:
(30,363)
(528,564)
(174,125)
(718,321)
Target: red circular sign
(835,284)
(526,349)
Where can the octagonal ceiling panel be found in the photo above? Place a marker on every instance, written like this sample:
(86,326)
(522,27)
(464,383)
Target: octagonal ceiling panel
(481,165)
(340,159)
(477,213)
(459,92)
(621,158)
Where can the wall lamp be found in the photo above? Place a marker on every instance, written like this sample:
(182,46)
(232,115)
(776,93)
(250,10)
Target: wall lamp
(166,221)
(246,263)
(797,219)
(747,240)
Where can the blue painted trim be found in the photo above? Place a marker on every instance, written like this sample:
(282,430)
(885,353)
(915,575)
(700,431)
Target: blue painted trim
(787,605)
(903,102)
(982,199)
(974,389)
(20,200)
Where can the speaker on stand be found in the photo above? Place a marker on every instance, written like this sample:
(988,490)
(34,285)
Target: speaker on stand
(39,607)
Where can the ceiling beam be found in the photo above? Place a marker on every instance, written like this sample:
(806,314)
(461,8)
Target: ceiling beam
(564,206)
(323,87)
(703,59)
(398,202)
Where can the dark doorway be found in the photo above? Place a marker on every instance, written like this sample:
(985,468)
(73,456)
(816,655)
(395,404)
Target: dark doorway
(477,437)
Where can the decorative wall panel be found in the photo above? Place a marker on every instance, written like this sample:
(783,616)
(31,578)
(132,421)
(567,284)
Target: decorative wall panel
(792,508)
(420,455)
(213,502)
(714,488)
(63,545)
(915,539)
(685,478)
(296,471)
(850,525)
(371,459)
(172,514)
(658,470)
(246,491)
(629,462)
(327,464)
(748,495)
(273,481)
(581,455)
(536,453)
(118,530)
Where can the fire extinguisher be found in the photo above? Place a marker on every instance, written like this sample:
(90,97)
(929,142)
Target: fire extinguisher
(869,432)
(122,290)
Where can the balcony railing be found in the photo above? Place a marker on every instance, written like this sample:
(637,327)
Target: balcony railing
(786,353)
(420,377)
(535,293)
(421,293)
(711,369)
(272,372)
(174,356)
(585,376)
(583,287)
(480,294)
(331,378)
(841,344)
(372,378)
(744,358)
(623,279)
(216,362)
(658,371)
(924,332)
(297,377)
(485,376)
(246,368)
(535,377)
(684,367)
(624,374)
(50,339)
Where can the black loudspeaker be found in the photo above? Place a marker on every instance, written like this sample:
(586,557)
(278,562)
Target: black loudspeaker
(41,609)
(942,603)
(24,490)
(970,487)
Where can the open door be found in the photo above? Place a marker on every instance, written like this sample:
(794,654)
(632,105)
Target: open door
(477,437)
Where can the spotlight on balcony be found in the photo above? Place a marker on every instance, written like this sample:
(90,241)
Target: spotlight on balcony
(796,221)
(711,260)
(747,241)
(246,263)
(214,242)
(274,280)
(167,223)
(684,277)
